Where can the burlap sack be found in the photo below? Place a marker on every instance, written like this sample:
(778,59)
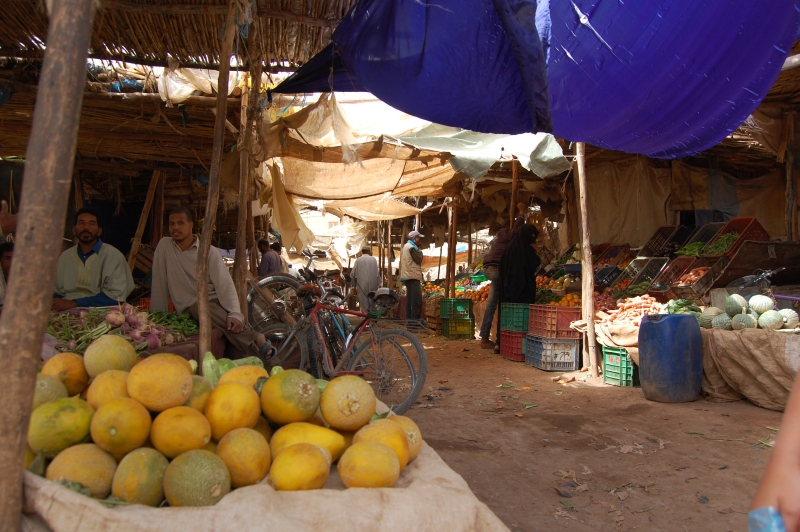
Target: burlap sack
(753,363)
(622,335)
(429,496)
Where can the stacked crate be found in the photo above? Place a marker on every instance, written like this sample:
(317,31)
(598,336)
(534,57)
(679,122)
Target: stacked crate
(551,345)
(513,328)
(432,315)
(457,320)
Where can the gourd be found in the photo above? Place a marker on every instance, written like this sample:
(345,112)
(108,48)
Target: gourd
(708,315)
(761,303)
(771,320)
(723,321)
(735,304)
(743,321)
(791,319)
(753,313)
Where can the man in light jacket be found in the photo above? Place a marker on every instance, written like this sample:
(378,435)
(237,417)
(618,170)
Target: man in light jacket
(366,278)
(411,274)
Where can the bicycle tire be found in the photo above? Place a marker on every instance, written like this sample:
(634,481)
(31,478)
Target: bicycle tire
(386,376)
(295,357)
(283,287)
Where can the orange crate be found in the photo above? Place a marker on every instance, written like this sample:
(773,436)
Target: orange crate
(511,345)
(550,321)
(144,304)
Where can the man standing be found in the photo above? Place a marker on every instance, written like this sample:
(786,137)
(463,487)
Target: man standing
(366,278)
(411,274)
(91,274)
(270,261)
(6,252)
(175,277)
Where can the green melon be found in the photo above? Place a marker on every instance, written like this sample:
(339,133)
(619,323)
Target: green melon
(59,424)
(196,478)
(735,304)
(708,315)
(139,477)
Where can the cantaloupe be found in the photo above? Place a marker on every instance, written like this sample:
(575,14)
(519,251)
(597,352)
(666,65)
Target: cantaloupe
(201,390)
(369,464)
(88,465)
(412,433)
(302,466)
(347,402)
(178,430)
(247,375)
(120,426)
(300,432)
(196,478)
(246,454)
(69,369)
(109,351)
(232,405)
(48,388)
(160,382)
(388,433)
(112,384)
(290,396)
(139,477)
(56,425)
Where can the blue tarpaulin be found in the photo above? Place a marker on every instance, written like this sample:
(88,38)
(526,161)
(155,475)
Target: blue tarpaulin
(665,78)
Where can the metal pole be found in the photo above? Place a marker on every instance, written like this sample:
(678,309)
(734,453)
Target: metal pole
(587,279)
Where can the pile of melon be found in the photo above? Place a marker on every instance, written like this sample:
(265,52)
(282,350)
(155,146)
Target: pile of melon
(151,432)
(758,312)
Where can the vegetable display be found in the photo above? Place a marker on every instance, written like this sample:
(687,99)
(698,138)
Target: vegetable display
(691,250)
(722,244)
(692,276)
(683,306)
(639,288)
(632,310)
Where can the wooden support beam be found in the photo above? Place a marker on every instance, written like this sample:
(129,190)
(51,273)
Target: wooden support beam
(148,202)
(78,184)
(512,208)
(48,177)
(587,279)
(154,97)
(240,254)
(469,237)
(439,268)
(389,253)
(203,309)
(158,213)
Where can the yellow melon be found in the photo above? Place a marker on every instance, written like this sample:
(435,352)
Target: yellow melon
(111,384)
(120,426)
(369,464)
(88,465)
(347,402)
(201,390)
(262,427)
(300,432)
(247,375)
(412,433)
(290,396)
(178,430)
(232,405)
(160,382)
(48,388)
(69,369)
(302,466)
(58,424)
(186,364)
(139,477)
(247,455)
(211,447)
(196,478)
(109,351)
(30,456)
(390,434)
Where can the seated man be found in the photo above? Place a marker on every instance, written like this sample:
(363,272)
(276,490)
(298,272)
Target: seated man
(270,261)
(91,274)
(175,277)
(6,253)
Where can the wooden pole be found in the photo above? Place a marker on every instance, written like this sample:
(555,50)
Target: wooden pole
(158,215)
(251,238)
(469,237)
(148,203)
(439,269)
(512,209)
(240,254)
(203,309)
(455,252)
(389,253)
(49,162)
(587,279)
(76,180)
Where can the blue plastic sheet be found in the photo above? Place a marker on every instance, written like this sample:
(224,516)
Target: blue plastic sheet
(665,78)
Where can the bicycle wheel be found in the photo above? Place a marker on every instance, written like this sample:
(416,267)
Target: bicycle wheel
(395,365)
(284,292)
(291,356)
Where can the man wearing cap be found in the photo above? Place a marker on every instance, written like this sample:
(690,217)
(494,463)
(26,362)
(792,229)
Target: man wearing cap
(411,274)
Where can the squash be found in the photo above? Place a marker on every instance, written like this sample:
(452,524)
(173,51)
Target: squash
(708,315)
(753,313)
(771,320)
(761,303)
(723,321)
(735,304)
(743,321)
(791,319)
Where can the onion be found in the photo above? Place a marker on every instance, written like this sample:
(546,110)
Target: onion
(115,319)
(169,339)
(127,309)
(125,328)
(131,319)
(152,341)
(142,317)
(83,313)
(136,336)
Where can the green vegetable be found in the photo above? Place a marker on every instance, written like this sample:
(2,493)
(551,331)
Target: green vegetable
(180,323)
(321,383)
(692,250)
(544,297)
(193,363)
(210,369)
(639,288)
(721,244)
(249,361)
(225,364)
(274,371)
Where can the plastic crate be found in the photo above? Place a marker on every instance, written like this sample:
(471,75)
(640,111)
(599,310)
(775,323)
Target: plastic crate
(455,308)
(553,354)
(144,304)
(660,289)
(550,321)
(648,274)
(631,272)
(574,269)
(611,256)
(677,240)
(511,345)
(704,284)
(706,233)
(657,241)
(606,276)
(455,329)
(618,368)
(599,249)
(514,316)
(748,229)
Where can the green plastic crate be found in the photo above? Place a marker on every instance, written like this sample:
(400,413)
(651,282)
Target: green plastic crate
(455,308)
(458,329)
(514,317)
(618,368)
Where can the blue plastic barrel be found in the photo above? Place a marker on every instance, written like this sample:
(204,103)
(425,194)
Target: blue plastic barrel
(670,358)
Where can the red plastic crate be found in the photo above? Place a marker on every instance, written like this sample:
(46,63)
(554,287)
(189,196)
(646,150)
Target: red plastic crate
(511,345)
(660,289)
(550,321)
(748,229)
(144,304)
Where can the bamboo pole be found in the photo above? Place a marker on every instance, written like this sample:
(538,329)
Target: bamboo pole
(240,254)
(512,209)
(454,253)
(251,238)
(203,309)
(439,269)
(587,279)
(389,253)
(48,176)
(148,203)
(252,110)
(78,183)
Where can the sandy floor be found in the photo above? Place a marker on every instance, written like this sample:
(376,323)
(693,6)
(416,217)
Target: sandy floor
(588,456)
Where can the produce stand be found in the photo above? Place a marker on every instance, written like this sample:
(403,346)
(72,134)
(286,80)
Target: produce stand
(753,256)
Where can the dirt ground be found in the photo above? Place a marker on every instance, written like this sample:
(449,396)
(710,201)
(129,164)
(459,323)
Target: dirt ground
(588,456)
